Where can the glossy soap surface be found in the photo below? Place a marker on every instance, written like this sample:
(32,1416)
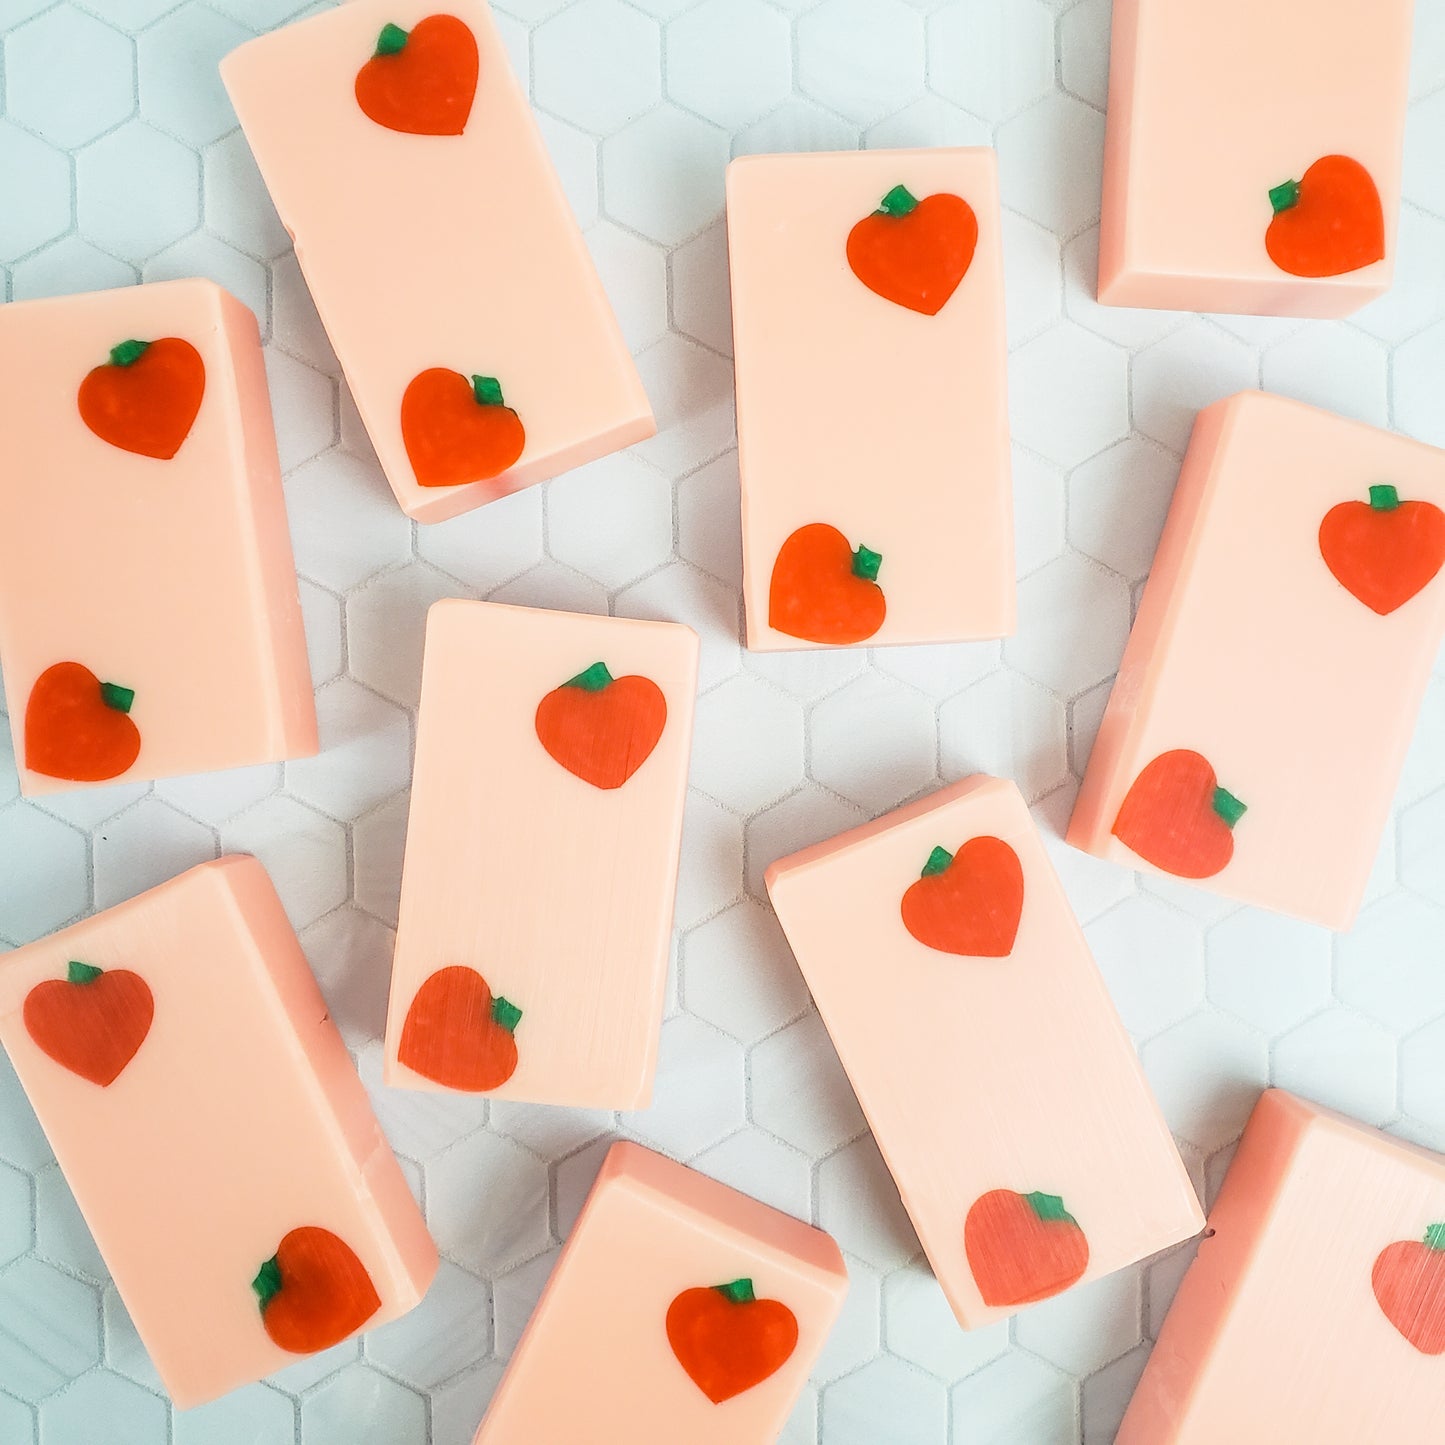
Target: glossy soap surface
(861,413)
(1212,103)
(437,251)
(238,1118)
(983,1071)
(170,577)
(650,1231)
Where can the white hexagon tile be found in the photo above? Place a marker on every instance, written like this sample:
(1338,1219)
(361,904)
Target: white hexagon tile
(120,161)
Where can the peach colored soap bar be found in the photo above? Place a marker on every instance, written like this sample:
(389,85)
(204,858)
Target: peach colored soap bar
(439,247)
(1216,104)
(680,1313)
(541,855)
(1283,645)
(1316,1308)
(982,1044)
(143,542)
(210,1123)
(872,417)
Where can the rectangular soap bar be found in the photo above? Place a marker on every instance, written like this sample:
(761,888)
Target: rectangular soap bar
(1004,1094)
(440,250)
(1253,152)
(868,329)
(1282,648)
(680,1313)
(205,1112)
(541,855)
(149,618)
(1316,1308)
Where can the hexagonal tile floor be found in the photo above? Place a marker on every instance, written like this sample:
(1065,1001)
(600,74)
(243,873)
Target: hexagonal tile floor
(642,102)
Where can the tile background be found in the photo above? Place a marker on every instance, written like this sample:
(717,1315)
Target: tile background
(642,102)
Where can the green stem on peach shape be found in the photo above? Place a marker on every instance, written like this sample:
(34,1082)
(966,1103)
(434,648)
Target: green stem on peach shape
(1435,1236)
(112,694)
(77,972)
(1228,806)
(1284,195)
(866,563)
(1049,1208)
(488,391)
(900,201)
(740,1291)
(1384,498)
(506,1013)
(128,352)
(594,679)
(391,41)
(267,1283)
(938,862)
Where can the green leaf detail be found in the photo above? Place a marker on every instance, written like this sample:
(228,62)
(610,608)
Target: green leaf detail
(487,390)
(1228,806)
(1050,1208)
(267,1283)
(1284,195)
(740,1291)
(866,563)
(128,352)
(900,201)
(1435,1236)
(391,41)
(1384,498)
(506,1013)
(938,862)
(594,679)
(76,972)
(112,694)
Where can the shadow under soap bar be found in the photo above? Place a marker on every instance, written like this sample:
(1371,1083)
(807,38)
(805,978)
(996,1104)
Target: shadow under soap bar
(1266,699)
(541,855)
(442,255)
(213,1129)
(681,1312)
(1253,153)
(1315,1310)
(1004,1094)
(873,446)
(150,624)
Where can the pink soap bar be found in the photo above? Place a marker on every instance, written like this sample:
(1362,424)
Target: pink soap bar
(680,1313)
(1315,1311)
(1253,152)
(206,1115)
(439,248)
(1283,645)
(981,1041)
(541,855)
(149,619)
(868,327)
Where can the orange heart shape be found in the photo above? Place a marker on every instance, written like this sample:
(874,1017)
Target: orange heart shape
(314,1291)
(457,1034)
(1328,222)
(146,398)
(823,591)
(915,253)
(422,81)
(77,727)
(1384,551)
(91,1022)
(1022,1247)
(728,1340)
(1178,818)
(458,431)
(969,902)
(602,728)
